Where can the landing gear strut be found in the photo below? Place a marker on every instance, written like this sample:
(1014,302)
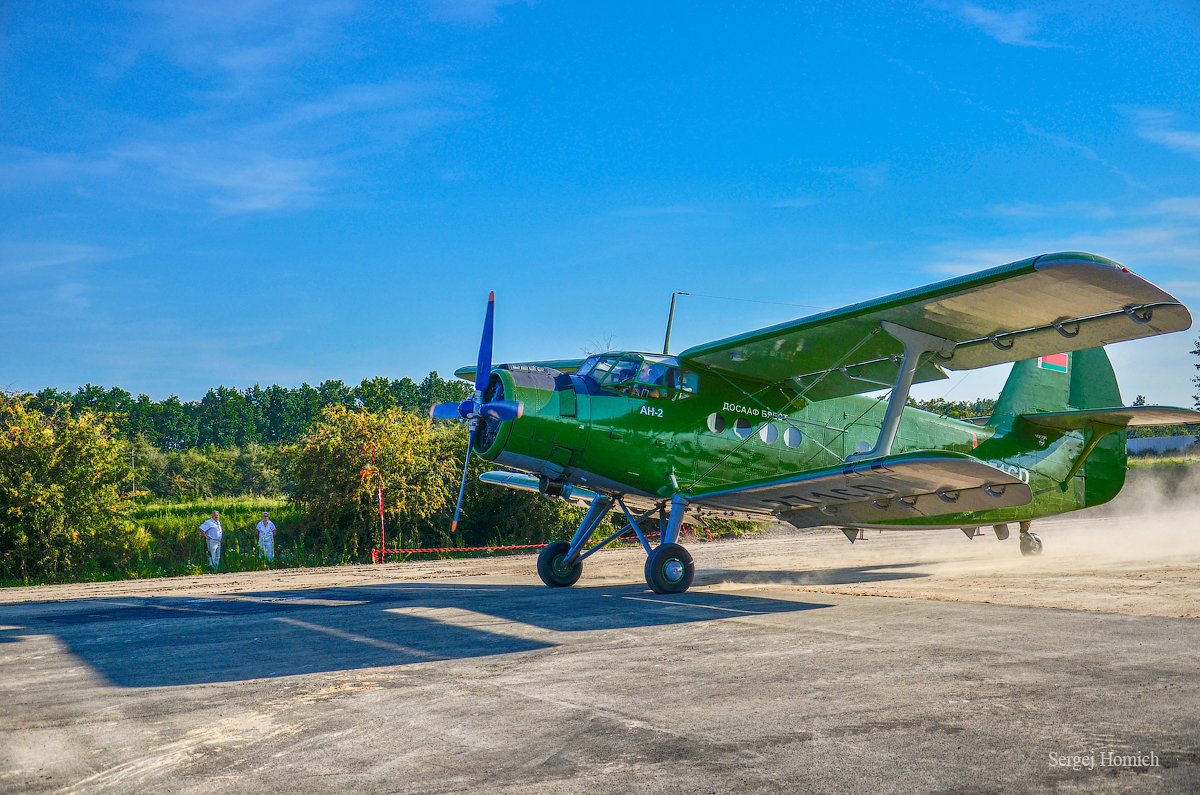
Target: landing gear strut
(669,567)
(1031,543)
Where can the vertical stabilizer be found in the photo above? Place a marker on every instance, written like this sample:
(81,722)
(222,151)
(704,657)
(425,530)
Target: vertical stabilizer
(1071,382)
(1059,382)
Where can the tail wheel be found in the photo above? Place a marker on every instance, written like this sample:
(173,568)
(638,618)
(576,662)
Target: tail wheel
(669,569)
(551,568)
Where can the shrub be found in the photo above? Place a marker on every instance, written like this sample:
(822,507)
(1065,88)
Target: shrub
(60,501)
(348,453)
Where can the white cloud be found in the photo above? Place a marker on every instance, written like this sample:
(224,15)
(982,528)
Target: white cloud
(794,204)
(1069,209)
(1006,27)
(237,180)
(1185,206)
(22,169)
(475,12)
(1182,288)
(71,296)
(290,159)
(1159,127)
(954,259)
(247,41)
(26,257)
(665,210)
(863,177)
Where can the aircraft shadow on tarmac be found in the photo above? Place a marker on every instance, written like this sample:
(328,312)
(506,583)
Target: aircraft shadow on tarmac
(841,576)
(166,641)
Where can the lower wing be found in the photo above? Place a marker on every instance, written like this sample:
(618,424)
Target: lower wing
(906,486)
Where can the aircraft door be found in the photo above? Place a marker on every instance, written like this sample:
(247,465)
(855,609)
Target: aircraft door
(572,429)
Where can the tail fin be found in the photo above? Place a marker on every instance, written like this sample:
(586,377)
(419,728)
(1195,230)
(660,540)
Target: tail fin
(1071,382)
(1063,382)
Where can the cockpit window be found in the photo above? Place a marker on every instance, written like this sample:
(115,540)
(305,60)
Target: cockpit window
(642,376)
(621,371)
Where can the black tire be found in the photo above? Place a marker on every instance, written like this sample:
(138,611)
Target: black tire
(550,567)
(1031,544)
(669,569)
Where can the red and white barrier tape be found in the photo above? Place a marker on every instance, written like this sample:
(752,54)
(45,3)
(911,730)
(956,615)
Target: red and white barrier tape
(378,554)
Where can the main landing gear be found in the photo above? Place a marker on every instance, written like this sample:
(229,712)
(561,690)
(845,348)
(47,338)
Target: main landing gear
(669,567)
(1031,543)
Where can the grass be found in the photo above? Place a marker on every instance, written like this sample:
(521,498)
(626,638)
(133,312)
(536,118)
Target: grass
(175,546)
(1180,460)
(165,541)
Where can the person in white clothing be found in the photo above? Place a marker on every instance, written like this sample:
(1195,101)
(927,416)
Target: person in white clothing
(266,536)
(212,532)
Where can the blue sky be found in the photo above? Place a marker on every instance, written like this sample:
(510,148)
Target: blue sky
(228,193)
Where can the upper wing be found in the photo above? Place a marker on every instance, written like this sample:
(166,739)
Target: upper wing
(1054,303)
(906,486)
(1121,417)
(562,365)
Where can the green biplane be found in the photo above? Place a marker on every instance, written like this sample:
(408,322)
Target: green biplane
(775,424)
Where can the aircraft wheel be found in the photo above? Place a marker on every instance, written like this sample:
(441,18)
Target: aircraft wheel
(1031,544)
(551,569)
(669,569)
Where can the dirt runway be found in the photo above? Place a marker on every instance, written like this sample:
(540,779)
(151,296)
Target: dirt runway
(1147,565)
(918,661)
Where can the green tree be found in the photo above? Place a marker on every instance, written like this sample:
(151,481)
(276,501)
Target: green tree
(435,389)
(60,491)
(376,393)
(224,417)
(176,426)
(1196,379)
(338,465)
(149,465)
(962,409)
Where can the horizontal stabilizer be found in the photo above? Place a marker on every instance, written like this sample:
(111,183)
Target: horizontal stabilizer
(1120,417)
(911,485)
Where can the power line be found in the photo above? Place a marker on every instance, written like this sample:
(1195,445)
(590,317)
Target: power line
(754,300)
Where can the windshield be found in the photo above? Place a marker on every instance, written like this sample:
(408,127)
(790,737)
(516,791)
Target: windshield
(640,375)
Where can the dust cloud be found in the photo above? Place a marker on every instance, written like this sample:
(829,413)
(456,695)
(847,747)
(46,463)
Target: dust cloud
(1138,555)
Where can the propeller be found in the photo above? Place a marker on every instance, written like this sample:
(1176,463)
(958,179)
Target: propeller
(474,411)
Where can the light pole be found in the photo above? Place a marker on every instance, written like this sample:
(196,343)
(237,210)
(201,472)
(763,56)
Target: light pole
(670,320)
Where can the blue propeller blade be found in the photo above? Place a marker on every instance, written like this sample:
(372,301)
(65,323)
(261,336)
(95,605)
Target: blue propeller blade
(453,411)
(462,487)
(483,369)
(445,411)
(502,410)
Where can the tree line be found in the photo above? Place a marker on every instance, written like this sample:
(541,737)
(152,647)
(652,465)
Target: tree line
(66,509)
(226,417)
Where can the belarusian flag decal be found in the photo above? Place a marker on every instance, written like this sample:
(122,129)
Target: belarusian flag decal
(1056,362)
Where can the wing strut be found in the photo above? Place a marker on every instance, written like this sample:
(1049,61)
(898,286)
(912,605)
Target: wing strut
(916,344)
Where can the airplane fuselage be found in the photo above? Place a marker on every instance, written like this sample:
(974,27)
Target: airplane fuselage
(696,432)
